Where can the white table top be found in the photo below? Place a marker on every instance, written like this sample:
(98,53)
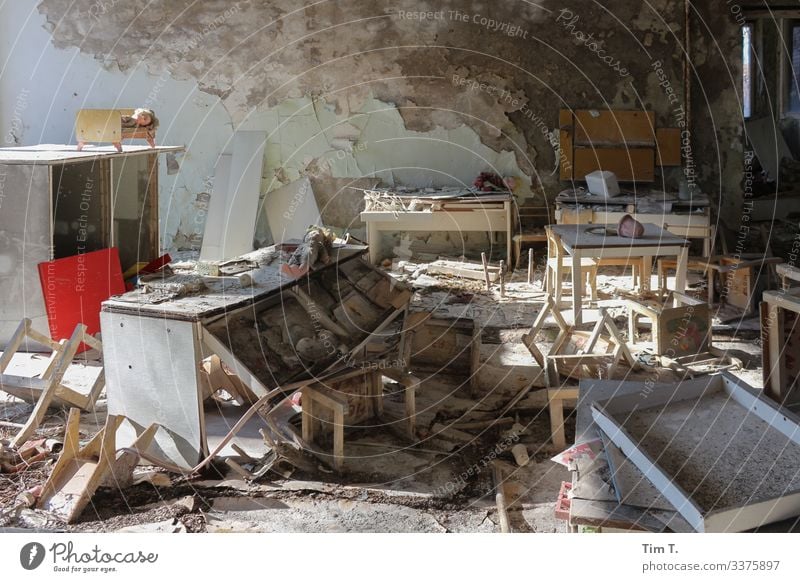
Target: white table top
(582,236)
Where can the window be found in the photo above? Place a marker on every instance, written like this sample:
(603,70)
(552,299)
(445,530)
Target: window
(747,69)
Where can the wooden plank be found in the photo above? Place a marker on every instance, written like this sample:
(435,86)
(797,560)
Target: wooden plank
(462,269)
(668,146)
(614,128)
(629,165)
(78,473)
(566,129)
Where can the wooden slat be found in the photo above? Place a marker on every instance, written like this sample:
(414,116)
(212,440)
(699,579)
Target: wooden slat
(629,165)
(614,128)
(668,140)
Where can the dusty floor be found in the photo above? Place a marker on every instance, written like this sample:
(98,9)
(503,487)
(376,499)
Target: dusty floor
(442,483)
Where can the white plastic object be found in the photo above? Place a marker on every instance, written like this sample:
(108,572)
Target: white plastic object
(602,183)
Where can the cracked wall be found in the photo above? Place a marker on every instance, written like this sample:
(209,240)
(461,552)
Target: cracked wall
(351,89)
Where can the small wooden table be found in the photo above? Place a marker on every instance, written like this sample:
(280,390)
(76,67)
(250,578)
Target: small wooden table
(584,240)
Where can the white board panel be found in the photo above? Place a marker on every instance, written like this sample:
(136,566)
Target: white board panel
(290,210)
(211,249)
(152,377)
(244,186)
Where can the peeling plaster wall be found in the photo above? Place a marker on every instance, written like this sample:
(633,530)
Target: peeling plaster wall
(350,89)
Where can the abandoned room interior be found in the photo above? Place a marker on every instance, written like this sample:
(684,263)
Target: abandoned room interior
(512,267)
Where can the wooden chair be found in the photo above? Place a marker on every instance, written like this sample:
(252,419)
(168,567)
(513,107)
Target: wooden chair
(559,263)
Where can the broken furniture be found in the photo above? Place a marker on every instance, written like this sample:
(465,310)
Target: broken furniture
(576,353)
(681,331)
(275,332)
(787,274)
(443,210)
(736,276)
(559,264)
(105,126)
(591,354)
(626,143)
(780,346)
(48,389)
(74,202)
(681,326)
(722,454)
(215,376)
(601,242)
(79,471)
(349,399)
(602,499)
(532,219)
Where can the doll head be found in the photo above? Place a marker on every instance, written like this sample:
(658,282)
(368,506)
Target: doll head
(145,118)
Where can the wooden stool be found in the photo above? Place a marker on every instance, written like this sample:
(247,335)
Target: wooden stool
(353,398)
(672,325)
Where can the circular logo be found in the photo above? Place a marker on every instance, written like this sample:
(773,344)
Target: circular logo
(31,555)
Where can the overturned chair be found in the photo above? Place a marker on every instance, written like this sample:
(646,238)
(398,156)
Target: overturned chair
(47,388)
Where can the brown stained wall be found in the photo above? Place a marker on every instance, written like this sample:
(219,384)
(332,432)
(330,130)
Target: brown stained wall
(255,55)
(716,106)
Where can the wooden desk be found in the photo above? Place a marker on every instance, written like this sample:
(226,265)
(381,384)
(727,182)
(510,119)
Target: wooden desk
(481,213)
(580,241)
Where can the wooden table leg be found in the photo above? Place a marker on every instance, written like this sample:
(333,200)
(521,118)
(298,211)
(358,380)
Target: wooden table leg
(411,407)
(373,240)
(577,287)
(680,272)
(644,276)
(509,242)
(338,439)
